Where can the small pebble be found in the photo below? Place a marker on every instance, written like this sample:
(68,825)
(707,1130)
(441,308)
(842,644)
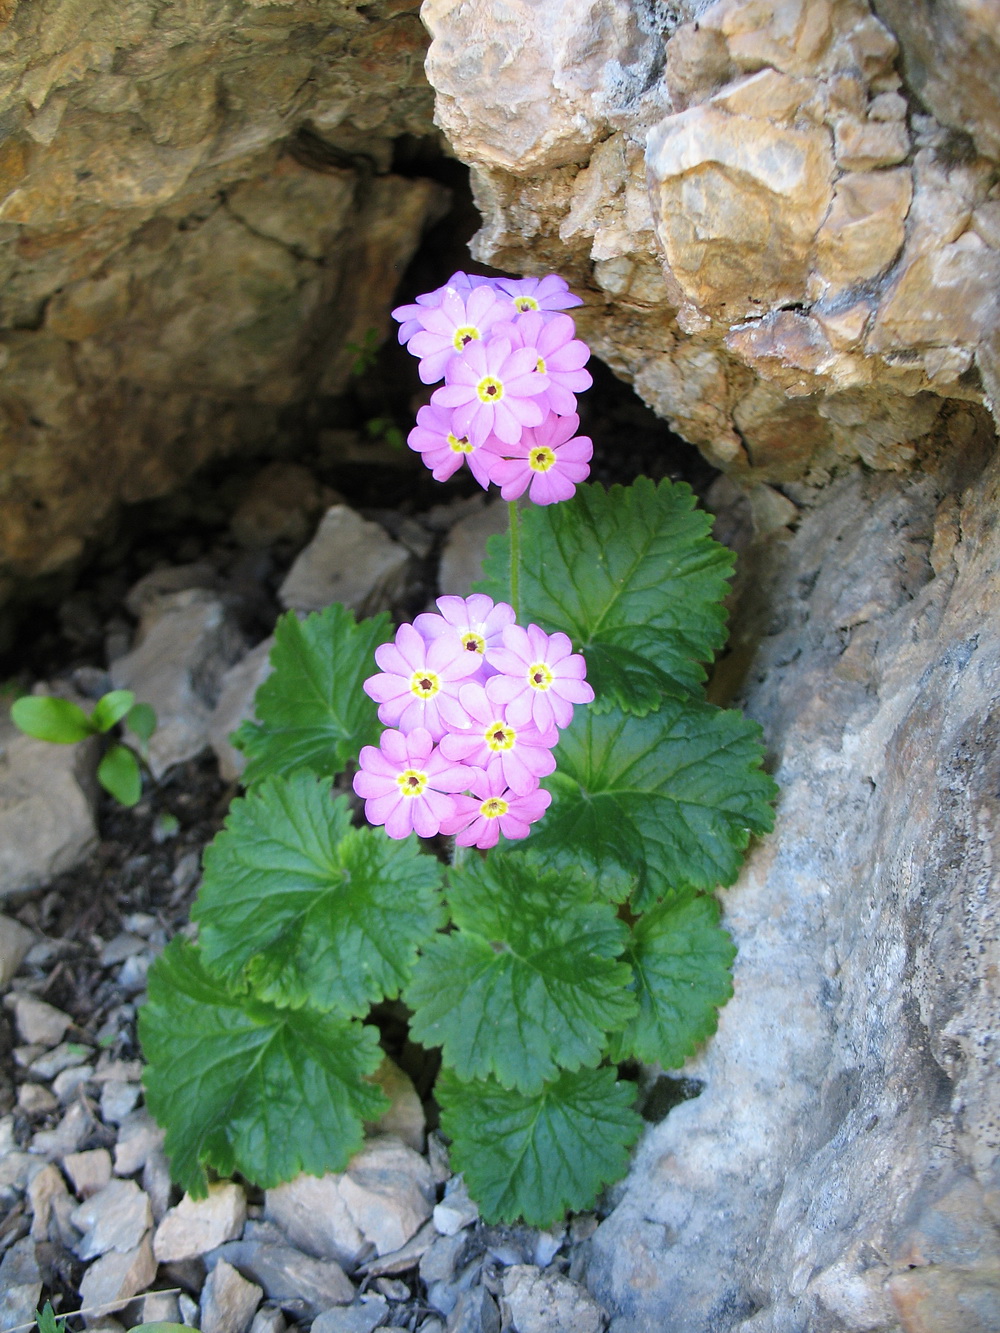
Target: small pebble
(61,1057)
(117,1100)
(393,1288)
(67,1084)
(34,1099)
(39,1022)
(88,1171)
(268,1319)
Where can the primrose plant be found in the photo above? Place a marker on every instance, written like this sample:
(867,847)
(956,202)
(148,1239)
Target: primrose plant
(552,731)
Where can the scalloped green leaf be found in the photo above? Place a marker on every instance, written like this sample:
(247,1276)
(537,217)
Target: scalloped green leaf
(323,913)
(529,982)
(240,1085)
(660,804)
(681,957)
(311,711)
(633,577)
(536,1156)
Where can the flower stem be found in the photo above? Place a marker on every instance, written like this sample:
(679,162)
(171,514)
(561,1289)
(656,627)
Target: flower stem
(514,519)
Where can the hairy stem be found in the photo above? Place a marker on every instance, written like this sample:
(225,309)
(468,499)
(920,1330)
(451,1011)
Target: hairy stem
(514,519)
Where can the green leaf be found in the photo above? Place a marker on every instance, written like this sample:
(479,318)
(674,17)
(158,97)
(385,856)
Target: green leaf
(46,1319)
(141,720)
(529,982)
(111,708)
(657,804)
(535,1157)
(49,719)
(118,773)
(634,579)
(240,1085)
(326,914)
(311,710)
(681,957)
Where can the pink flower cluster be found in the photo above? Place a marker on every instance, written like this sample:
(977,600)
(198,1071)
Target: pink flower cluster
(475,704)
(512,367)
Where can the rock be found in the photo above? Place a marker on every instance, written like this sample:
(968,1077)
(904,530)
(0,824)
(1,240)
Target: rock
(370,1314)
(39,1022)
(286,1275)
(237,690)
(314,1217)
(67,1136)
(157,1183)
(116,1277)
(283,500)
(268,1319)
(138,1136)
(196,1226)
(118,1100)
(946,1299)
(114,1218)
(465,546)
(537,1302)
(389,1193)
(33,1099)
(145,597)
(186,642)
(349,560)
(88,1171)
(476,1312)
(864,145)
(405,1117)
(161,1307)
(15,941)
(47,1186)
(863,232)
(47,803)
(68,1083)
(441,1261)
(20,1284)
(228,1301)
(64,1056)
(401,1261)
(456,1210)
(946,296)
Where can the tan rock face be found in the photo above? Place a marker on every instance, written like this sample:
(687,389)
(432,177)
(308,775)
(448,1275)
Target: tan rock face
(764,220)
(186,194)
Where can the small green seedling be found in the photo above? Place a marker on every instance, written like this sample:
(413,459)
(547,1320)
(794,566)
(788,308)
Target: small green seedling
(365,352)
(384,428)
(63,722)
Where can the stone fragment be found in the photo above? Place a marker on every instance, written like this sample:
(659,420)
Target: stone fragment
(284,500)
(286,1275)
(118,1100)
(737,202)
(537,1302)
(350,560)
(441,1261)
(235,705)
(196,1226)
(314,1217)
(389,1193)
(47,803)
(947,296)
(116,1276)
(15,941)
(456,1210)
(67,1136)
(186,642)
(370,1313)
(405,1117)
(157,1183)
(138,1136)
(228,1301)
(68,1083)
(767,93)
(465,546)
(864,230)
(33,1099)
(46,1186)
(38,1021)
(115,1218)
(150,594)
(856,1297)
(88,1171)
(401,1261)
(161,1307)
(863,145)
(20,1284)
(943,1298)
(51,1063)
(268,1319)
(476,1312)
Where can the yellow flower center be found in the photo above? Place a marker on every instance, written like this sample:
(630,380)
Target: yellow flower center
(525,303)
(411,782)
(493,807)
(459,446)
(540,365)
(464,336)
(490,390)
(541,459)
(539,676)
(498,736)
(424,684)
(474,642)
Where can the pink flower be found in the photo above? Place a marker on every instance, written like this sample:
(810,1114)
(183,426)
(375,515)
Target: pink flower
(493,809)
(411,317)
(443,451)
(522,754)
(561,356)
(404,782)
(542,678)
(548,293)
(419,683)
(449,329)
(479,623)
(546,458)
(492,389)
